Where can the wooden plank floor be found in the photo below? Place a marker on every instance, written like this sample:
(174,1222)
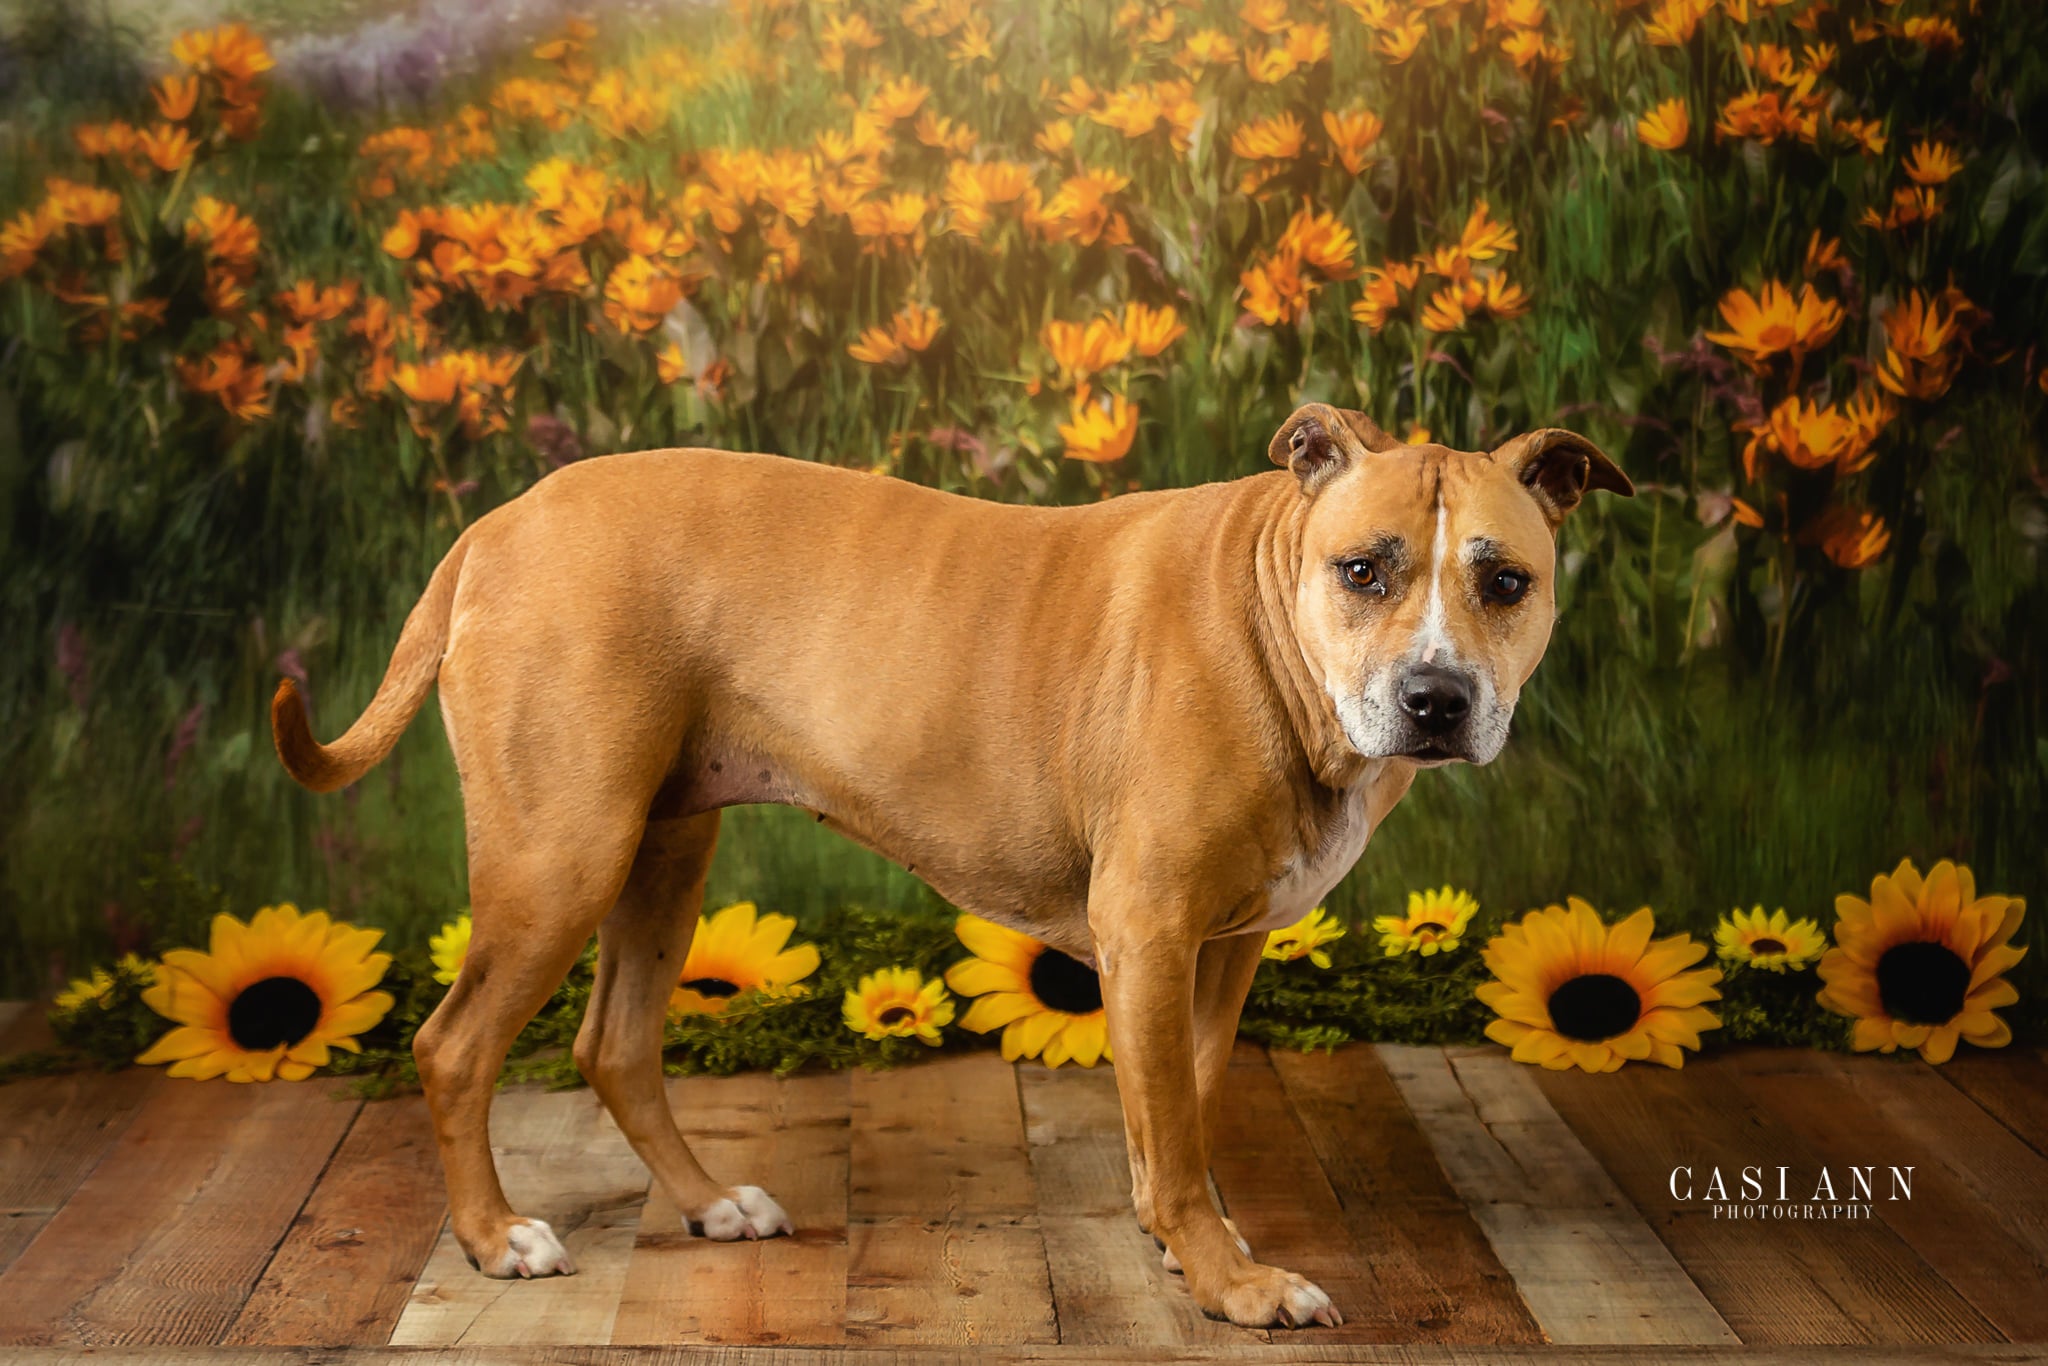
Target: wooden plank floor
(1458,1206)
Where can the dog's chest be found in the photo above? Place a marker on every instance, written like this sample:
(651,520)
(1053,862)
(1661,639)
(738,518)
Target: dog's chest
(1312,874)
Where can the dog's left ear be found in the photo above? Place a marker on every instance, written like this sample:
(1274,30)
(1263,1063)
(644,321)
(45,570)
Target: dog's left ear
(1314,442)
(1559,468)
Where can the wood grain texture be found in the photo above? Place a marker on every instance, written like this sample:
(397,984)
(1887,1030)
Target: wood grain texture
(561,1160)
(1978,1207)
(1582,1258)
(346,1269)
(53,1132)
(1284,1205)
(942,1224)
(792,1138)
(1295,1351)
(1108,1283)
(1430,1264)
(2009,1084)
(162,1242)
(1778,1280)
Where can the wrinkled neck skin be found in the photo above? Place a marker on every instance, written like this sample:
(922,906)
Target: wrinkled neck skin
(1311,710)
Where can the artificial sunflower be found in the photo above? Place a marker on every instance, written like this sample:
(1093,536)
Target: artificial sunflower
(449,948)
(98,989)
(1774,942)
(1922,963)
(1305,938)
(1048,1004)
(897,1003)
(737,949)
(1573,991)
(1435,922)
(268,999)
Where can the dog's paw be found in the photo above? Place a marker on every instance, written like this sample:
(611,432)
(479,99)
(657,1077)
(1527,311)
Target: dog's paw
(530,1249)
(1172,1263)
(1267,1296)
(751,1213)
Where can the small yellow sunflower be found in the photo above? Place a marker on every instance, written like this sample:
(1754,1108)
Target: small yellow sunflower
(268,999)
(897,1003)
(737,949)
(98,988)
(1775,942)
(1047,1003)
(1435,923)
(1572,991)
(449,948)
(1304,939)
(1921,963)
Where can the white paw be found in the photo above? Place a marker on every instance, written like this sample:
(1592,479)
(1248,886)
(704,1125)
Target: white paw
(752,1213)
(1172,1263)
(532,1249)
(1272,1296)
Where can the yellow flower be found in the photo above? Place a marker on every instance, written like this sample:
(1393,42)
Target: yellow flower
(1319,240)
(1398,43)
(1921,964)
(1275,139)
(269,999)
(1444,312)
(897,1003)
(1572,991)
(1672,22)
(1920,354)
(1101,431)
(1852,537)
(1082,350)
(99,987)
(1152,330)
(1482,238)
(1773,322)
(897,99)
(1047,1003)
(1305,938)
(1932,163)
(1865,135)
(449,948)
(915,326)
(1666,127)
(1352,136)
(1383,286)
(1435,921)
(878,346)
(638,294)
(1774,942)
(736,950)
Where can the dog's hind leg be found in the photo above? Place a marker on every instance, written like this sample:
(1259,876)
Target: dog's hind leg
(537,891)
(640,951)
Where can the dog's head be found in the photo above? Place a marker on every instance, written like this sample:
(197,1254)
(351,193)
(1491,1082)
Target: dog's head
(1425,594)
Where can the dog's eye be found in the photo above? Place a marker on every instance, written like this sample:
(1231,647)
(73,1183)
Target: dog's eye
(1506,586)
(1364,575)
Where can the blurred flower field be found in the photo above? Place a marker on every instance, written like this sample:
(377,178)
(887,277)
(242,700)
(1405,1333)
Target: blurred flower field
(266,350)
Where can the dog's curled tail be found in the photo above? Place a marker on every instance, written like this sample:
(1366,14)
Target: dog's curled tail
(415,664)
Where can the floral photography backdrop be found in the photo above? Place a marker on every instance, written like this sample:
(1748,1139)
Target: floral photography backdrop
(285,310)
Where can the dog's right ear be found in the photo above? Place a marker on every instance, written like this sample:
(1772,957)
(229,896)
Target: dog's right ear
(1316,440)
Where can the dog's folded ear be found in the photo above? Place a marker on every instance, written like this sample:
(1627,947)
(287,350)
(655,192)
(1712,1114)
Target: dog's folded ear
(1559,468)
(1317,442)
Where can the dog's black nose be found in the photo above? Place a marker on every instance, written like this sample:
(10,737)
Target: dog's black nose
(1435,699)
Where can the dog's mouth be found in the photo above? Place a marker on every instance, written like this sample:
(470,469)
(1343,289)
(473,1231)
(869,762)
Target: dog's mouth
(1432,753)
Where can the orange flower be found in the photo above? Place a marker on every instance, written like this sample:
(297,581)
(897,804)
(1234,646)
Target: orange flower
(915,326)
(1483,239)
(897,221)
(1824,255)
(1152,330)
(1275,139)
(1275,290)
(1444,312)
(1398,43)
(308,302)
(175,96)
(897,99)
(226,373)
(168,147)
(1319,240)
(1912,205)
(1851,537)
(1101,430)
(638,294)
(1932,163)
(1352,136)
(1773,322)
(229,236)
(72,204)
(1081,350)
(1866,135)
(114,138)
(1809,435)
(1921,336)
(1383,286)
(1209,47)
(1667,127)
(878,346)
(231,52)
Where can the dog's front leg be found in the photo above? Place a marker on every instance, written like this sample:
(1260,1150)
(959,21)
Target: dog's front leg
(1147,955)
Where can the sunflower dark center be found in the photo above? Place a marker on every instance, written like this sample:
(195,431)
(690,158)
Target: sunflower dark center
(1921,983)
(896,1015)
(1766,946)
(1594,1006)
(1429,927)
(712,986)
(1065,983)
(274,1011)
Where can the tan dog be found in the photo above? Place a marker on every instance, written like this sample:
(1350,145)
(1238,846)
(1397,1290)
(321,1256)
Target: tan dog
(1145,731)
